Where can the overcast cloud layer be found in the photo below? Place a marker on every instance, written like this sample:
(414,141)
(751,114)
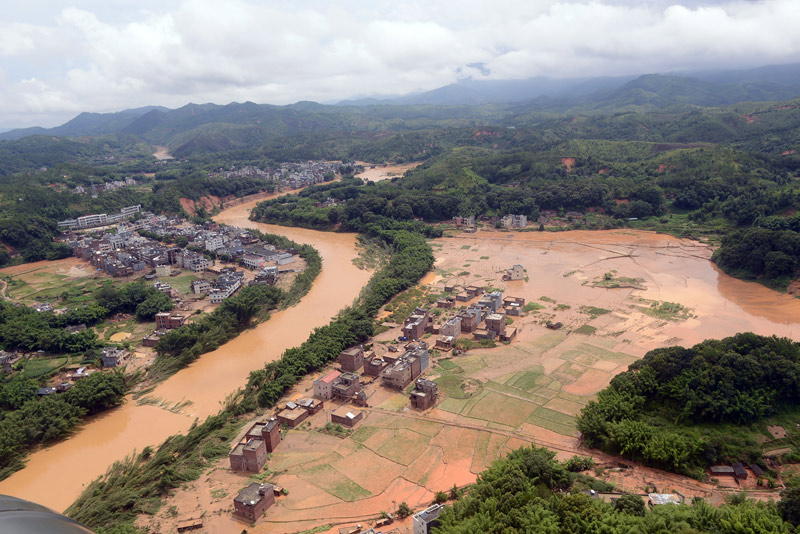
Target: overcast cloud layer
(104,55)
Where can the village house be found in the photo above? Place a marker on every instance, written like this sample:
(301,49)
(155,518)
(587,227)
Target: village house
(169,321)
(492,301)
(445,343)
(374,366)
(266,276)
(292,415)
(451,327)
(407,367)
(347,416)
(474,291)
(310,405)
(417,324)
(352,359)
(424,394)
(200,287)
(513,306)
(250,455)
(253,501)
(446,303)
(514,221)
(113,357)
(517,272)
(345,386)
(323,386)
(470,319)
(427,519)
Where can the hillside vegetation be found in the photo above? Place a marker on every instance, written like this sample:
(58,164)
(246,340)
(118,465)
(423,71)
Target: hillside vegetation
(685,409)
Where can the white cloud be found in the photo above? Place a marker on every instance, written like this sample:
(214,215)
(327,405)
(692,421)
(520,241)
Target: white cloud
(90,57)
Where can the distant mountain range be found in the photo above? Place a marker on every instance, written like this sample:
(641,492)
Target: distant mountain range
(704,88)
(209,127)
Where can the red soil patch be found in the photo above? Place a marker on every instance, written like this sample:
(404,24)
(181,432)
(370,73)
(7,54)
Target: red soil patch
(568,163)
(749,118)
(622,201)
(208,202)
(661,168)
(788,152)
(603,171)
(484,133)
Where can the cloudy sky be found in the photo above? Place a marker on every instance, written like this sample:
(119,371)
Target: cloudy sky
(61,57)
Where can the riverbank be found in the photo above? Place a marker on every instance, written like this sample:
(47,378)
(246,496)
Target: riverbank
(56,475)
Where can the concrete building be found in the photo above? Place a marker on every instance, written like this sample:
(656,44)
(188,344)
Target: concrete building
(169,321)
(492,301)
(496,322)
(323,386)
(284,258)
(352,359)
(517,272)
(271,434)
(345,386)
(200,286)
(427,519)
(253,501)
(424,394)
(292,416)
(347,416)
(249,456)
(374,366)
(514,221)
(113,357)
(417,324)
(451,328)
(513,306)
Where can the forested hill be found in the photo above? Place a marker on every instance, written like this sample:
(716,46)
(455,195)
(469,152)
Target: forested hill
(529,491)
(684,409)
(651,107)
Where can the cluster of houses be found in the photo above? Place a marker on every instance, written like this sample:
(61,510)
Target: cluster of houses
(467,222)
(345,385)
(292,175)
(99,219)
(126,253)
(484,319)
(106,187)
(114,252)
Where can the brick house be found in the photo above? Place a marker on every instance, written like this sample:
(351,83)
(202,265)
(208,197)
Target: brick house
(352,359)
(249,456)
(347,416)
(424,394)
(253,501)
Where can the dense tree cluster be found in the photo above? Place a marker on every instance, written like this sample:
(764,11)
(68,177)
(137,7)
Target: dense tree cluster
(773,256)
(411,258)
(648,413)
(529,491)
(27,420)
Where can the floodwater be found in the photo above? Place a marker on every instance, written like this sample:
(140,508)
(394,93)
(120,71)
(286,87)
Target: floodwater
(377,172)
(54,476)
(563,265)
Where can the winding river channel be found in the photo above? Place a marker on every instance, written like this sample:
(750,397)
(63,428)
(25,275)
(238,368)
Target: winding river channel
(54,476)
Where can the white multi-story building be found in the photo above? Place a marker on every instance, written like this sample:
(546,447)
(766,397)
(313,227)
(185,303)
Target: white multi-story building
(214,242)
(92,220)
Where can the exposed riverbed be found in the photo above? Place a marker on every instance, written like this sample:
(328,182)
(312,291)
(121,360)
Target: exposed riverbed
(54,476)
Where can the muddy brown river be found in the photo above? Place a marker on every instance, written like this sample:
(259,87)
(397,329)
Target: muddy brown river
(54,476)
